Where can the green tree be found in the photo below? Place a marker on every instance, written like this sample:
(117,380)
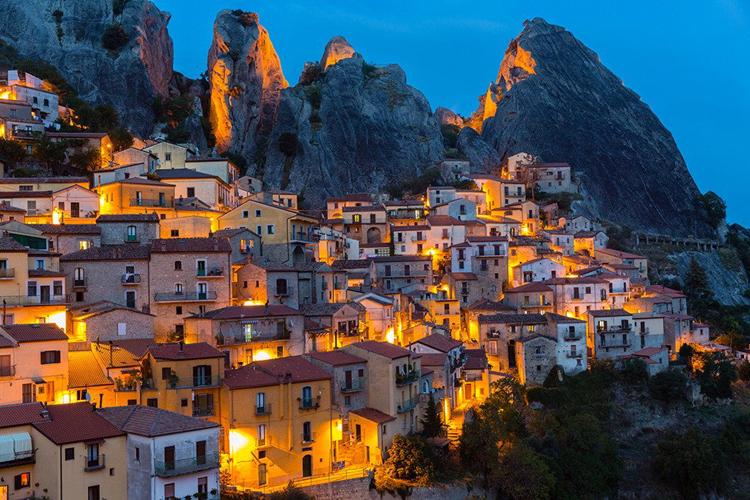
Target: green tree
(668,386)
(716,209)
(698,292)
(291,492)
(432,424)
(715,374)
(11,152)
(410,463)
(478,447)
(523,473)
(85,160)
(50,154)
(634,371)
(691,463)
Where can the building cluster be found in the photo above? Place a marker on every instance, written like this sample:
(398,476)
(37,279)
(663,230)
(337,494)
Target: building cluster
(168,319)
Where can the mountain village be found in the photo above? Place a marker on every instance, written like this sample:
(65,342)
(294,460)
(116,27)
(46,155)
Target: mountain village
(171,327)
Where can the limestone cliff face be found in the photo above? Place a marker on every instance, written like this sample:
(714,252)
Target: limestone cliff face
(356,128)
(553,98)
(68,35)
(245,80)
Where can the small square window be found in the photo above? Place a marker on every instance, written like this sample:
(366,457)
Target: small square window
(184,402)
(70,453)
(262,454)
(178,310)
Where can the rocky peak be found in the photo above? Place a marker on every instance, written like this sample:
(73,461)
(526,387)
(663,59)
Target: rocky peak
(69,35)
(447,116)
(553,98)
(245,79)
(337,48)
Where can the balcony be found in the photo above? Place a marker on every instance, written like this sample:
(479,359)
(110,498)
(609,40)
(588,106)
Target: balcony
(354,385)
(262,411)
(613,329)
(7,274)
(23,300)
(15,458)
(572,338)
(95,464)
(309,404)
(79,283)
(204,381)
(203,411)
(573,355)
(407,378)
(186,465)
(309,437)
(407,406)
(130,279)
(8,371)
(147,202)
(131,238)
(125,384)
(208,296)
(212,273)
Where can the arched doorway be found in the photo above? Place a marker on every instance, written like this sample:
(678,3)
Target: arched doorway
(298,255)
(373,235)
(307,466)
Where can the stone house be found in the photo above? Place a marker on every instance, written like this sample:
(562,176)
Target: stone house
(610,333)
(570,334)
(537,270)
(498,334)
(68,238)
(103,321)
(535,356)
(403,271)
(531,297)
(128,228)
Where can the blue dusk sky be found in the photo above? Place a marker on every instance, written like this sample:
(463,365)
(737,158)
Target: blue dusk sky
(688,60)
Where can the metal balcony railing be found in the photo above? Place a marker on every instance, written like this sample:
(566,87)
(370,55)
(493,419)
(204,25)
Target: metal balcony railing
(130,279)
(7,273)
(354,385)
(407,405)
(146,202)
(23,300)
(8,371)
(264,410)
(186,465)
(95,464)
(407,378)
(185,296)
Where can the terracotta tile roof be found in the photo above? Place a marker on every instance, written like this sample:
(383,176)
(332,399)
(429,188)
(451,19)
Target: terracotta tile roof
(190,245)
(517,319)
(401,258)
(77,135)
(351,264)
(406,229)
(439,342)
(20,414)
(384,349)
(25,194)
(294,369)
(84,370)
(365,208)
(486,239)
(182,173)
(559,318)
(489,305)
(649,351)
(532,287)
(4,207)
(476,359)
(101,307)
(619,254)
(443,220)
(176,351)
(337,358)
(43,180)
(351,197)
(583,280)
(328,309)
(608,313)
(35,332)
(68,228)
(663,290)
(75,422)
(8,244)
(126,251)
(151,422)
(241,312)
(373,415)
(433,359)
(128,218)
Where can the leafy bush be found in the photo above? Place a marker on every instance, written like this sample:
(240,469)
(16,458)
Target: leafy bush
(524,474)
(668,386)
(11,152)
(691,463)
(114,38)
(715,374)
(410,463)
(716,209)
(450,134)
(634,371)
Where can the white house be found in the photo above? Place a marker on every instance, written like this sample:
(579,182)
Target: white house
(571,342)
(540,269)
(169,455)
